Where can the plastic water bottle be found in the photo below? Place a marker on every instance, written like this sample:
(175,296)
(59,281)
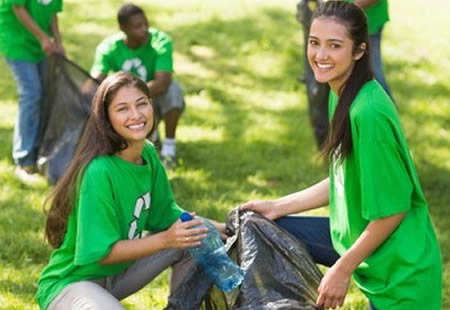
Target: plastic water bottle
(212,256)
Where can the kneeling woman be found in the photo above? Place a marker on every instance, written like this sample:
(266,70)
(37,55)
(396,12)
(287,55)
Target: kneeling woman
(379,227)
(113,191)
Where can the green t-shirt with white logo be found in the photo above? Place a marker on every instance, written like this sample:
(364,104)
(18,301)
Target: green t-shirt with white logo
(117,200)
(377,15)
(113,55)
(16,41)
(376,180)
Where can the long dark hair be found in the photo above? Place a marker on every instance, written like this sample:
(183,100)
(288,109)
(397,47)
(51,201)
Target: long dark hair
(99,138)
(339,140)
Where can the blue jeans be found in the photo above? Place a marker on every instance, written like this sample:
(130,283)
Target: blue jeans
(29,78)
(377,64)
(314,232)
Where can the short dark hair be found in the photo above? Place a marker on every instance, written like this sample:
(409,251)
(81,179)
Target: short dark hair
(126,11)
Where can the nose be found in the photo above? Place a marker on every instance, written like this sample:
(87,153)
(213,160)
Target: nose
(135,113)
(321,54)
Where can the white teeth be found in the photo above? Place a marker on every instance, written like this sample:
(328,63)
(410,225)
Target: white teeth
(137,126)
(324,66)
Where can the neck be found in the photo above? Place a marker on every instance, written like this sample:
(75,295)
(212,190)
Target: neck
(132,153)
(132,43)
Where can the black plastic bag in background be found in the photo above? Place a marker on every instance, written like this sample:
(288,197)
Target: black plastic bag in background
(317,92)
(279,273)
(65,109)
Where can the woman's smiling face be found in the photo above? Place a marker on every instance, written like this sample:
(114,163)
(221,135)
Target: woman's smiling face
(331,52)
(131,114)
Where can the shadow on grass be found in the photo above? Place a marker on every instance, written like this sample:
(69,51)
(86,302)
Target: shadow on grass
(6,135)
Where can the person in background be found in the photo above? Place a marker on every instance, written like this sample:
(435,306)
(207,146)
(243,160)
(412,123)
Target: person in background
(147,53)
(29,33)
(377,12)
(114,191)
(379,229)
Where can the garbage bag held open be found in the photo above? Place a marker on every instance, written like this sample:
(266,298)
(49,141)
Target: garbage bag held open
(279,273)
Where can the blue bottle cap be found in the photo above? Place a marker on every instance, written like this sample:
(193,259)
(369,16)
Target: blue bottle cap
(185,216)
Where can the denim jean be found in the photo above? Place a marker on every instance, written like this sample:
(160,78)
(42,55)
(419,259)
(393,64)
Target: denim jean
(377,64)
(29,78)
(314,232)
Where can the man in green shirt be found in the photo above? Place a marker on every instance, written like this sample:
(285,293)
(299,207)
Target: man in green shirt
(147,53)
(28,33)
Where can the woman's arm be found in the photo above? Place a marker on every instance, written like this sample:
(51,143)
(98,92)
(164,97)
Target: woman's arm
(179,235)
(57,35)
(334,285)
(313,197)
(24,17)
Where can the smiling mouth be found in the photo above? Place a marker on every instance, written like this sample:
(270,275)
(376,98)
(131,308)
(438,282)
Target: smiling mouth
(324,66)
(137,126)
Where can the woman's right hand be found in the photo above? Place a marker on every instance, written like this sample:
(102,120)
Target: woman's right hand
(263,207)
(184,235)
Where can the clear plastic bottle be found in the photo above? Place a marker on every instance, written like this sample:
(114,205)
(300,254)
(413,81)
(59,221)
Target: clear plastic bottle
(213,258)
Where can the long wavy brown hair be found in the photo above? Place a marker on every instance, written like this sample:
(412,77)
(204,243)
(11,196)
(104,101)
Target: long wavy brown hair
(99,138)
(339,140)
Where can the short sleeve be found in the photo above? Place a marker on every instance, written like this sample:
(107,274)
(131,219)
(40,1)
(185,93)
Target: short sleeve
(164,60)
(102,62)
(97,225)
(166,210)
(59,6)
(386,187)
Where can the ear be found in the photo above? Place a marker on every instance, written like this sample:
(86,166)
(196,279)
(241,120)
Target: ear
(360,51)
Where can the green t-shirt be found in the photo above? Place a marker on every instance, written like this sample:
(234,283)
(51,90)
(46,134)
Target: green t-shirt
(376,180)
(117,200)
(16,42)
(113,55)
(377,15)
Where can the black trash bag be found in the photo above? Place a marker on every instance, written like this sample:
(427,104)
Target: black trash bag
(67,98)
(279,273)
(317,92)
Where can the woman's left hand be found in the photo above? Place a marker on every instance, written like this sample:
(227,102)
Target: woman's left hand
(333,288)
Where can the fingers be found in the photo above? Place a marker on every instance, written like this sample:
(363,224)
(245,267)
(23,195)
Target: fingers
(248,206)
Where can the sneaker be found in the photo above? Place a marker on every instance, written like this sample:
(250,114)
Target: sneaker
(27,174)
(169,162)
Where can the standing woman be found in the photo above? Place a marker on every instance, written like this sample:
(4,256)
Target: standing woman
(379,227)
(28,34)
(114,189)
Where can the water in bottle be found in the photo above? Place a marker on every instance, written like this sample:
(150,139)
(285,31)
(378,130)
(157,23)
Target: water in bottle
(211,254)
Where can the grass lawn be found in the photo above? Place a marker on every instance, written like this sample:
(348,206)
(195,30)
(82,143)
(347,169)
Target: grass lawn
(246,132)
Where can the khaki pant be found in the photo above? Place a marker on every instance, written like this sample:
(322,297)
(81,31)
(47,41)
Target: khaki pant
(105,293)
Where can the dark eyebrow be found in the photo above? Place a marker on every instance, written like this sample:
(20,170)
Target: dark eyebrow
(125,103)
(328,40)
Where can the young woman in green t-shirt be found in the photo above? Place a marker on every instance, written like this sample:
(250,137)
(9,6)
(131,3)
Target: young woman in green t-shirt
(379,229)
(114,190)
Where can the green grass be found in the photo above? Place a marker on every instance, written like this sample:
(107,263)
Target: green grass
(246,131)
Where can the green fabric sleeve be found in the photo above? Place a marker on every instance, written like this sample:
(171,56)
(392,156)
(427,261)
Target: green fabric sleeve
(102,64)
(386,187)
(164,61)
(97,225)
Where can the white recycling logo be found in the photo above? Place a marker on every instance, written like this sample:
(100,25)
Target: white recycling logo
(45,2)
(142,203)
(135,65)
